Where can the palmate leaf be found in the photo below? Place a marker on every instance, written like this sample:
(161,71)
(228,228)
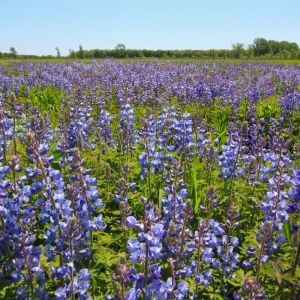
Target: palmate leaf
(234,283)
(239,277)
(269,271)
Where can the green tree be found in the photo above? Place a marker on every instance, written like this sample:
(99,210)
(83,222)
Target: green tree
(260,46)
(238,49)
(120,51)
(274,47)
(57,52)
(97,53)
(13,52)
(120,47)
(285,54)
(80,52)
(250,51)
(72,54)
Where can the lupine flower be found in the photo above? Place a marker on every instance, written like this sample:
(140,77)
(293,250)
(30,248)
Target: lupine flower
(127,127)
(104,125)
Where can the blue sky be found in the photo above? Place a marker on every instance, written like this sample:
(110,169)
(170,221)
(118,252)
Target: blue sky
(38,26)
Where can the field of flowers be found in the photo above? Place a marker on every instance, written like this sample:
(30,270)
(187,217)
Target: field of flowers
(149,180)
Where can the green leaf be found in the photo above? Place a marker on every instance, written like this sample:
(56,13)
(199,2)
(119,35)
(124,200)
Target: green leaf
(234,283)
(287,231)
(268,270)
(161,194)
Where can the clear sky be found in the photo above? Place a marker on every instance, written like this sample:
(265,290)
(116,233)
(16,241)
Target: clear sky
(38,26)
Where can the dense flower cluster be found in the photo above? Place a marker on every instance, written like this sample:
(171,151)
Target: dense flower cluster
(189,169)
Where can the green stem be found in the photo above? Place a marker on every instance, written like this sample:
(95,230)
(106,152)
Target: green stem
(4,142)
(296,259)
(28,268)
(261,251)
(13,101)
(198,264)
(147,254)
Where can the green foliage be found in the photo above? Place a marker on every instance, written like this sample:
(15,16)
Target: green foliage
(243,109)
(13,52)
(219,117)
(48,101)
(80,53)
(104,264)
(287,230)
(268,108)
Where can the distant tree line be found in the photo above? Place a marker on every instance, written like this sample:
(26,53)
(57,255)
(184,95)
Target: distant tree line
(260,48)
